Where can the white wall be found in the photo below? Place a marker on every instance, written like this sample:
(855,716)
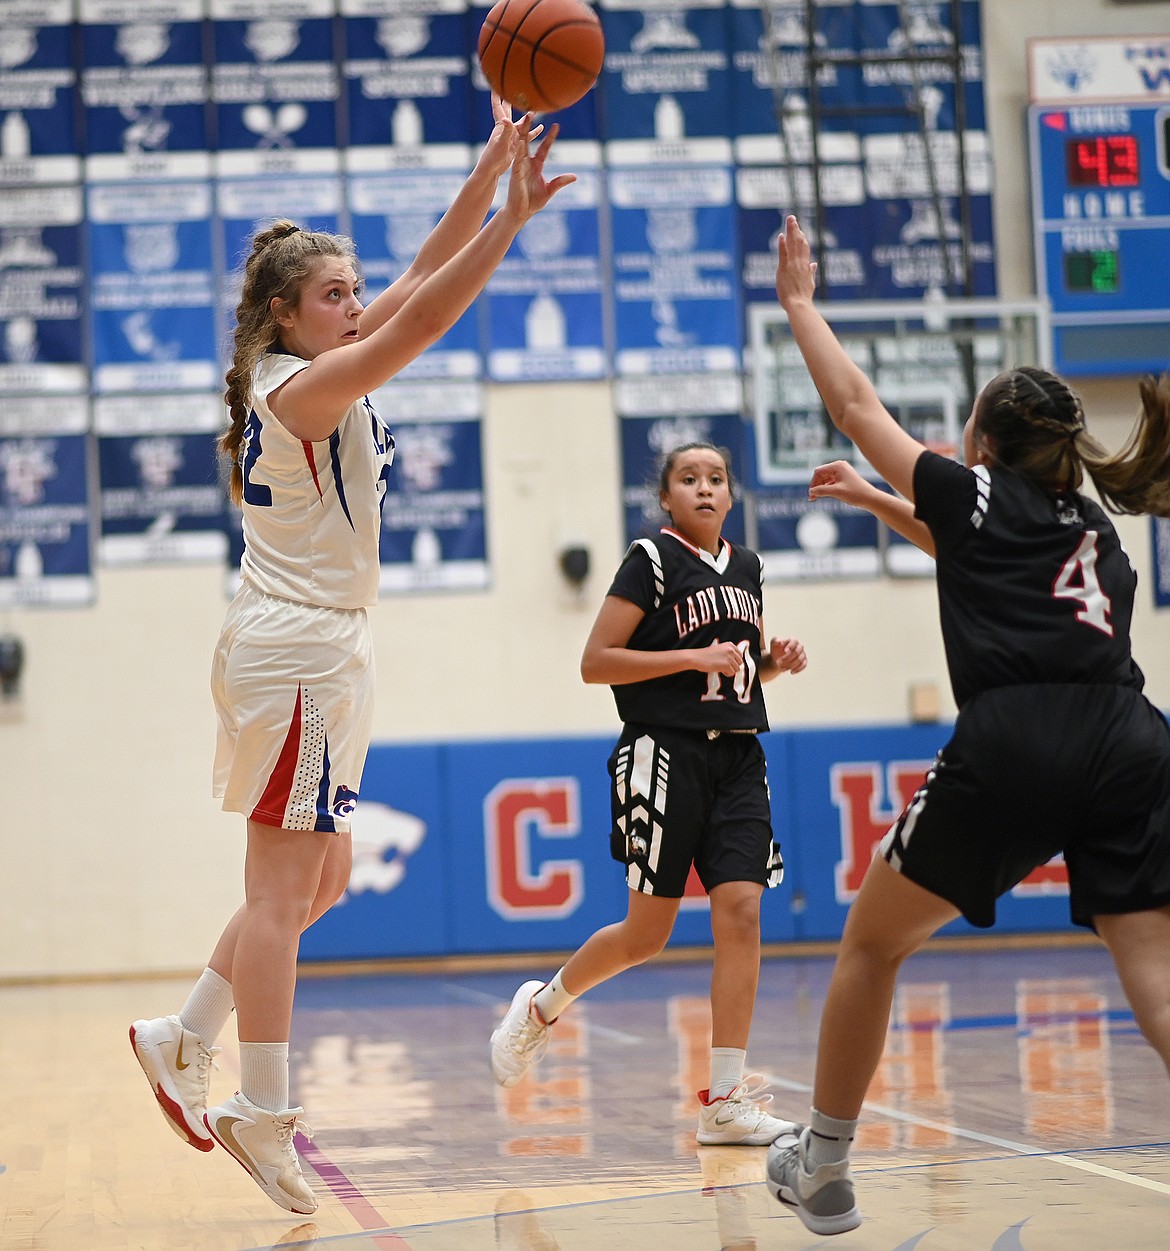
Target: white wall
(114,858)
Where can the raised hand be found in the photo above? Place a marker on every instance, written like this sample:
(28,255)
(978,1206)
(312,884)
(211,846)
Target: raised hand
(840,481)
(796,271)
(500,149)
(528,190)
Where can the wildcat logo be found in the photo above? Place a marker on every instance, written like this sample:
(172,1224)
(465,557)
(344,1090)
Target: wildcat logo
(344,801)
(384,839)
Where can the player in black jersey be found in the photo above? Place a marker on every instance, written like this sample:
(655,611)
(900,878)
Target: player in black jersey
(1055,749)
(680,639)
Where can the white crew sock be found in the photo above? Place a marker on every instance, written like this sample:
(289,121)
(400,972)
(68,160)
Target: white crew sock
(552,1000)
(726,1070)
(208,1006)
(830,1139)
(264,1074)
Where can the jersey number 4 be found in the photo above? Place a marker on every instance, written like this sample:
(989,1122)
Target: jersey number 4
(1077,580)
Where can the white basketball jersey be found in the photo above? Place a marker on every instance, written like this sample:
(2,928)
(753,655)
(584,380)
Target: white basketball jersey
(312,510)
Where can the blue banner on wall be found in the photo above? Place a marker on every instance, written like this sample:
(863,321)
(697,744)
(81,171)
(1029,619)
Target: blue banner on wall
(41,290)
(392,215)
(161,498)
(38,82)
(144,86)
(675,289)
(887,146)
(246,205)
(46,514)
(544,305)
(665,86)
(275,85)
(153,288)
(408,84)
(434,527)
(1160,547)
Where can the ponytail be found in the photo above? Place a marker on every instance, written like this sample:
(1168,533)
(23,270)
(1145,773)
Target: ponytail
(283,256)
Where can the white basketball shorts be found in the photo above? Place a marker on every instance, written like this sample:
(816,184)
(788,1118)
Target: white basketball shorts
(293,687)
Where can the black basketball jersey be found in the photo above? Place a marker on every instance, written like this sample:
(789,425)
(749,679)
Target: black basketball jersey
(1032,587)
(693,599)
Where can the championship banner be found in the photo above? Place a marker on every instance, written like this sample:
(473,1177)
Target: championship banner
(886,146)
(161,499)
(675,288)
(434,524)
(45,508)
(658,414)
(407,70)
(152,303)
(275,87)
(391,215)
(38,80)
(145,89)
(41,280)
(665,86)
(1160,547)
(543,307)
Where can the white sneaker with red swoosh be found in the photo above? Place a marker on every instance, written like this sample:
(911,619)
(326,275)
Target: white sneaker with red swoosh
(738,1119)
(262,1141)
(177,1063)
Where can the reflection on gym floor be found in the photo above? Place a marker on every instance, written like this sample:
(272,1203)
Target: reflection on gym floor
(1017,1109)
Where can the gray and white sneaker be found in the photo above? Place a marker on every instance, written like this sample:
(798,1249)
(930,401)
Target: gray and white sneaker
(520,1039)
(262,1141)
(177,1063)
(823,1198)
(738,1119)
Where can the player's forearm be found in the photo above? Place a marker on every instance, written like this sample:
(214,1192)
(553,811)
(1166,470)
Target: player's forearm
(618,666)
(841,384)
(457,227)
(898,514)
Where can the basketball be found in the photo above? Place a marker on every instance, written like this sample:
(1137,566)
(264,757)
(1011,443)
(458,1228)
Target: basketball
(541,55)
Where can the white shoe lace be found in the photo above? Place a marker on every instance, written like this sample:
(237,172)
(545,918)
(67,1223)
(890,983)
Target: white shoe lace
(289,1125)
(527,1036)
(752,1091)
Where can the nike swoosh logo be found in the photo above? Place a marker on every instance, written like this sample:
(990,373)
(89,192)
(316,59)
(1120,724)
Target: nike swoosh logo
(226,1129)
(179,1056)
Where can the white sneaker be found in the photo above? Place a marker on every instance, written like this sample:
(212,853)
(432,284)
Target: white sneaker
(823,1199)
(520,1039)
(262,1141)
(177,1064)
(738,1119)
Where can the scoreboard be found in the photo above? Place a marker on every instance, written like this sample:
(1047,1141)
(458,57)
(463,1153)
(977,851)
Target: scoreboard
(1101,230)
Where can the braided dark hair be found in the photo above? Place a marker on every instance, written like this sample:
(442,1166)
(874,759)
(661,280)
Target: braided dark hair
(1034,423)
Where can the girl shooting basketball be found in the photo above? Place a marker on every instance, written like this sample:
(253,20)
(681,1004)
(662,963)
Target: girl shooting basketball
(292,676)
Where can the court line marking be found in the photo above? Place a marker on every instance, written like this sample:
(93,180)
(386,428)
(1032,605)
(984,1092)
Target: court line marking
(1008,1144)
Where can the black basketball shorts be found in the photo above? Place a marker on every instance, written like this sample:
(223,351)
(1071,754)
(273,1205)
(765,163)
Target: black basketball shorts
(679,798)
(1035,770)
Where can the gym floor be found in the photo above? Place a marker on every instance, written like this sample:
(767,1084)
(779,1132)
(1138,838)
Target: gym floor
(1016,1109)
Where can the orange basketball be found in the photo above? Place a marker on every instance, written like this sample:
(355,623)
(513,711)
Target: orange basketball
(541,55)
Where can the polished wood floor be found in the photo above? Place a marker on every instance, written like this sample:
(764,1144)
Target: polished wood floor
(1017,1109)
